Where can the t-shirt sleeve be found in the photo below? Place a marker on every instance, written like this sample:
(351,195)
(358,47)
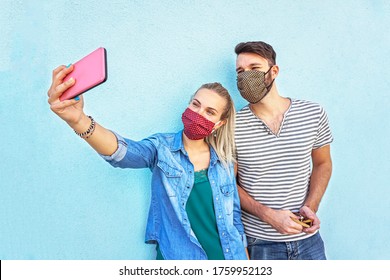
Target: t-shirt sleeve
(324,135)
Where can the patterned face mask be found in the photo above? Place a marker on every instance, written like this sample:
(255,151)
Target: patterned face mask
(196,126)
(251,85)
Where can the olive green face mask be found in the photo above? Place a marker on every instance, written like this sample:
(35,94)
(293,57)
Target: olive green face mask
(251,85)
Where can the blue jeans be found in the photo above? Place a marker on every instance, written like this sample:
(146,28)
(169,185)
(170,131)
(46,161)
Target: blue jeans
(311,248)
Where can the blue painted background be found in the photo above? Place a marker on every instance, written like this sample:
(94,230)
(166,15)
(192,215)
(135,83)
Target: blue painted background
(59,200)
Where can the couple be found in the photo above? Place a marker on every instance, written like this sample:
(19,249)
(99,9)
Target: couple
(195,211)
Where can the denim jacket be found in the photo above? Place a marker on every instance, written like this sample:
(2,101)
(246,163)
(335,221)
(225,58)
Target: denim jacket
(172,181)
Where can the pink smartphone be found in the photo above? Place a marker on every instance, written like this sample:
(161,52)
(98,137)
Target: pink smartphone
(89,72)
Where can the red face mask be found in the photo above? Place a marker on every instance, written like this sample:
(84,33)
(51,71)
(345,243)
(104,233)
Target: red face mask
(196,127)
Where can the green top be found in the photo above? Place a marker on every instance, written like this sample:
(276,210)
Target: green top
(200,211)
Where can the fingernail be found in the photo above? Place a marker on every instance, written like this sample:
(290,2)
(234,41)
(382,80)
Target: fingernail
(77,98)
(69,65)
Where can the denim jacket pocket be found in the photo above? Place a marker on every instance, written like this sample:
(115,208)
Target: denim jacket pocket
(227,191)
(170,177)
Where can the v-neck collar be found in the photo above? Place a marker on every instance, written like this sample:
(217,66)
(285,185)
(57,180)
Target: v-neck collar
(277,135)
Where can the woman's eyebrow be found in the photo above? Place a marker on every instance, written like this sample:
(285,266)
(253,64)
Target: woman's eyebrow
(210,108)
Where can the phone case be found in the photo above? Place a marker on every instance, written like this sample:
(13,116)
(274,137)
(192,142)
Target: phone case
(89,72)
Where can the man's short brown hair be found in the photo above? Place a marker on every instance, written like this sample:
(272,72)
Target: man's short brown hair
(258,47)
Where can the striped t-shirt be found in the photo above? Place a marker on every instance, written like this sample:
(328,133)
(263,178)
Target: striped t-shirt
(275,169)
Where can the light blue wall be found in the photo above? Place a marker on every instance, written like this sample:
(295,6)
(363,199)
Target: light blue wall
(59,200)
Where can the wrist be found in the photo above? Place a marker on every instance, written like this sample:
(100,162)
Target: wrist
(87,133)
(82,124)
(265,213)
(311,207)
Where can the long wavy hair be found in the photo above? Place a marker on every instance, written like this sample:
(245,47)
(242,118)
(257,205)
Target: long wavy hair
(222,139)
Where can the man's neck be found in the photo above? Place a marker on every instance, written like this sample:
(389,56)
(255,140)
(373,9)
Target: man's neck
(271,105)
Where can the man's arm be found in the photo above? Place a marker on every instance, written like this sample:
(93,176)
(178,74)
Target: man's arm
(278,219)
(320,176)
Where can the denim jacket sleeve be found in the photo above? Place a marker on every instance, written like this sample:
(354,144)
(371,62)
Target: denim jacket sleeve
(237,217)
(132,154)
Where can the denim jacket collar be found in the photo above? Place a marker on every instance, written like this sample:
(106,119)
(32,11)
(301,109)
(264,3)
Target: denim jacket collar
(177,144)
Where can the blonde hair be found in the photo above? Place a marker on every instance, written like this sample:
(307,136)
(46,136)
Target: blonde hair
(222,139)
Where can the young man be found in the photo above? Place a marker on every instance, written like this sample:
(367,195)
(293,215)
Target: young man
(284,162)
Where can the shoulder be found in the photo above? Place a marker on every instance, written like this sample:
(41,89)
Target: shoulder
(243,113)
(306,106)
(304,103)
(243,110)
(165,139)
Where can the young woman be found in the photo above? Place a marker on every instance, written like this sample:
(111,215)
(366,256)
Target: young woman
(195,208)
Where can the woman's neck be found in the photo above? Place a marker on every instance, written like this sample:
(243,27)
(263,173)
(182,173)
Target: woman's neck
(198,152)
(194,145)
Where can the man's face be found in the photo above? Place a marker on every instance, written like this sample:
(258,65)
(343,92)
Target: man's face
(255,76)
(252,61)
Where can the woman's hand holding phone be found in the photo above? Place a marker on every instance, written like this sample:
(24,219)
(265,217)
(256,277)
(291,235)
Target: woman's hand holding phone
(70,110)
(65,92)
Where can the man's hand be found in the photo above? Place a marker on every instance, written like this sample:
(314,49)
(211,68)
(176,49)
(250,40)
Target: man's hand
(310,214)
(281,220)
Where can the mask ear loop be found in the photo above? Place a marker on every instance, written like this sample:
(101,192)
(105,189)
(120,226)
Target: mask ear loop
(270,85)
(268,70)
(214,131)
(267,87)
